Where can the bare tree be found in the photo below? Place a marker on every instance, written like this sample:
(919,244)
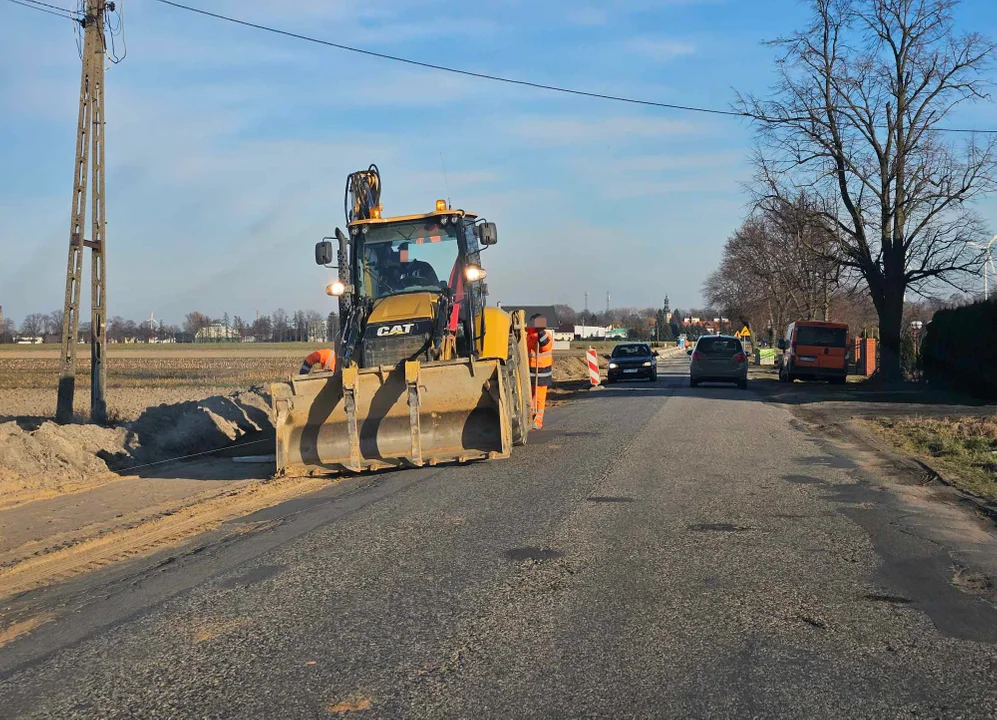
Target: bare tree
(863,93)
(33,325)
(805,252)
(169,332)
(119,329)
(769,273)
(262,329)
(281,326)
(53,322)
(194,322)
(566,314)
(332,326)
(299,326)
(8,328)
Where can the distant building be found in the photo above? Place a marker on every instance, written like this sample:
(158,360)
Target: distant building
(29,340)
(216,332)
(590,332)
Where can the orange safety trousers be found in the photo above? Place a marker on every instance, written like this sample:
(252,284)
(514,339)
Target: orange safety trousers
(324,357)
(540,345)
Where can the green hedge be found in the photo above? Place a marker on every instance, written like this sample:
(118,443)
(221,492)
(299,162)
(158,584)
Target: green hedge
(960,349)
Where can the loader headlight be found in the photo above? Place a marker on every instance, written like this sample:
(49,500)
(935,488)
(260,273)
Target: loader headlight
(336,288)
(473,273)
(613,366)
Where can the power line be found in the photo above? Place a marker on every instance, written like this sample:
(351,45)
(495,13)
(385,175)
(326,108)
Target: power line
(500,78)
(45,8)
(116,31)
(53,7)
(456,71)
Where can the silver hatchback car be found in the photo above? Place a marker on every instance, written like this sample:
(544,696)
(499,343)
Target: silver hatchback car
(718,358)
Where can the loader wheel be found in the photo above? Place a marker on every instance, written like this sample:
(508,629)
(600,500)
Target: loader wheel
(513,376)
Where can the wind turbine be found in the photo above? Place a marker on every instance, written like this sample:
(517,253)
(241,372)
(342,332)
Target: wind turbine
(988,263)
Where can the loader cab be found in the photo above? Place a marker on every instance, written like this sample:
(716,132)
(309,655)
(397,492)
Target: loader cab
(422,254)
(412,275)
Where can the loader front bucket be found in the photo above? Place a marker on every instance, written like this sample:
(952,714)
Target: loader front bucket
(412,415)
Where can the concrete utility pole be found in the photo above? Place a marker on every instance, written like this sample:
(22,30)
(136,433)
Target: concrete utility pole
(89,139)
(607,302)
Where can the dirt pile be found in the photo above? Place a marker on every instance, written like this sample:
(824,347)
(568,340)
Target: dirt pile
(573,368)
(168,431)
(54,458)
(46,459)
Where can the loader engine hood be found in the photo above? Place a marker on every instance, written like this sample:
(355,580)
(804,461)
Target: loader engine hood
(399,328)
(403,308)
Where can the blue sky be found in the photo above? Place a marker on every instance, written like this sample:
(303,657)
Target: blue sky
(227,148)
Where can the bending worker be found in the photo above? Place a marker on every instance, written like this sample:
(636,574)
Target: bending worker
(540,344)
(324,359)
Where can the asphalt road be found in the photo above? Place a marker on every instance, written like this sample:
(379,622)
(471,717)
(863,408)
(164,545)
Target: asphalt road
(657,551)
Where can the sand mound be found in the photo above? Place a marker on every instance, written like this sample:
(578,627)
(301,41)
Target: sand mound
(168,431)
(49,459)
(573,368)
(56,454)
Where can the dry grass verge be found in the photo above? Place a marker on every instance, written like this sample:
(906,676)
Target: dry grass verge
(963,448)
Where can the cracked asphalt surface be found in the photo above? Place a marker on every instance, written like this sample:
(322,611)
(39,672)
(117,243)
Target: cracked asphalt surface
(656,551)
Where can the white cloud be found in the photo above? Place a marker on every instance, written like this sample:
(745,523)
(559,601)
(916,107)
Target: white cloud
(553,130)
(659,49)
(681,161)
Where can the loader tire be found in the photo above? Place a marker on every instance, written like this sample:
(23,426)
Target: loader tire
(520,423)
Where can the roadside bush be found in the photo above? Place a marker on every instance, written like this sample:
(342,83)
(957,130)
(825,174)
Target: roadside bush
(941,446)
(959,351)
(976,444)
(908,357)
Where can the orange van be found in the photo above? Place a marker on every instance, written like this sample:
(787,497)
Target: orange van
(815,351)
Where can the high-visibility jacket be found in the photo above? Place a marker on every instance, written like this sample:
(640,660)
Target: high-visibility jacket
(540,345)
(324,357)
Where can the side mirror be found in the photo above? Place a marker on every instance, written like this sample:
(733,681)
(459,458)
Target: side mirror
(487,233)
(323,253)
(781,344)
(689,351)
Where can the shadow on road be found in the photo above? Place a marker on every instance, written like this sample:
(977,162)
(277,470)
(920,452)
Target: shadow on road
(853,399)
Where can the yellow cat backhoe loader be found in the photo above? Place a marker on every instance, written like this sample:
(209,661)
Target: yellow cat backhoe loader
(425,372)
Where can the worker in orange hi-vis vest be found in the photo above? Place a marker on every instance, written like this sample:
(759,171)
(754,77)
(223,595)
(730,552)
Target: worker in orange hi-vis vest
(325,359)
(540,344)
